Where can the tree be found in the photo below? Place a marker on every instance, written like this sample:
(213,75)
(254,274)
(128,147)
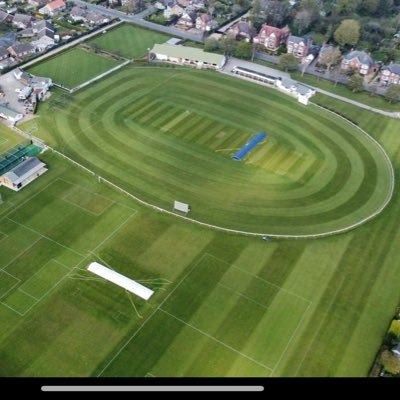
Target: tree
(243,50)
(348,32)
(347,7)
(210,44)
(368,7)
(303,20)
(390,362)
(255,12)
(229,45)
(356,83)
(289,62)
(329,56)
(392,94)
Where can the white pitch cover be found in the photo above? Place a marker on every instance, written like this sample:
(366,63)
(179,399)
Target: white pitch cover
(120,280)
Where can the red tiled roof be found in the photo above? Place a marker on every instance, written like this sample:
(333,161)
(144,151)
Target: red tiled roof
(55,4)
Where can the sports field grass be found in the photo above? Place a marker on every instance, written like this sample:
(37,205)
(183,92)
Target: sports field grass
(168,134)
(224,305)
(8,139)
(73,67)
(129,41)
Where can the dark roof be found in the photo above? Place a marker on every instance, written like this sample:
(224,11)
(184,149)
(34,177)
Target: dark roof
(22,18)
(43,24)
(299,39)
(26,168)
(3,52)
(21,47)
(395,68)
(8,39)
(361,55)
(46,32)
(3,15)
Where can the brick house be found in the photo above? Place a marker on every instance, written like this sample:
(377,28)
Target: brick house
(358,61)
(271,37)
(21,50)
(390,75)
(242,30)
(298,46)
(53,8)
(205,23)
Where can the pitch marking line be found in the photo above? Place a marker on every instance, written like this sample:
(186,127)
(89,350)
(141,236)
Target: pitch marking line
(217,340)
(46,237)
(18,281)
(85,209)
(150,316)
(119,227)
(261,279)
(4,236)
(291,338)
(20,254)
(32,276)
(28,294)
(97,194)
(12,309)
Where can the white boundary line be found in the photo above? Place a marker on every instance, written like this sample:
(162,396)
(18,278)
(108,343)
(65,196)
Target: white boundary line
(247,233)
(218,341)
(150,316)
(20,254)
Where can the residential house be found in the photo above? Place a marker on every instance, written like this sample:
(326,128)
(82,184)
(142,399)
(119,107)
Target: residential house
(43,40)
(390,75)
(187,20)
(242,30)
(359,61)
(5,17)
(298,46)
(78,13)
(205,23)
(197,5)
(21,50)
(271,37)
(38,3)
(163,4)
(26,33)
(53,8)
(22,21)
(37,26)
(175,10)
(96,19)
(3,54)
(184,3)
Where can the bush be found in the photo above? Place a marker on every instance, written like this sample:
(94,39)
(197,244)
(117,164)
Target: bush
(395,328)
(390,362)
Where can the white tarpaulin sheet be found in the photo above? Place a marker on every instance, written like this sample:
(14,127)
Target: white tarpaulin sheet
(120,280)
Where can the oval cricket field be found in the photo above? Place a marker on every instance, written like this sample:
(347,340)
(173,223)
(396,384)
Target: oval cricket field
(167,134)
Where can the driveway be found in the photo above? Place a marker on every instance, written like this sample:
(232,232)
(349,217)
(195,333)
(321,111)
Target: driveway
(8,84)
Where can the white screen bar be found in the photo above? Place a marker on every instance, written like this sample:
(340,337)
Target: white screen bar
(177,388)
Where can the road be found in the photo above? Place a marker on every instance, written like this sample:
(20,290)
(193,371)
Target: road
(138,20)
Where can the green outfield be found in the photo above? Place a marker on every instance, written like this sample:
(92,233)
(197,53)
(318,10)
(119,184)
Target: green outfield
(168,134)
(8,139)
(129,41)
(224,305)
(73,67)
